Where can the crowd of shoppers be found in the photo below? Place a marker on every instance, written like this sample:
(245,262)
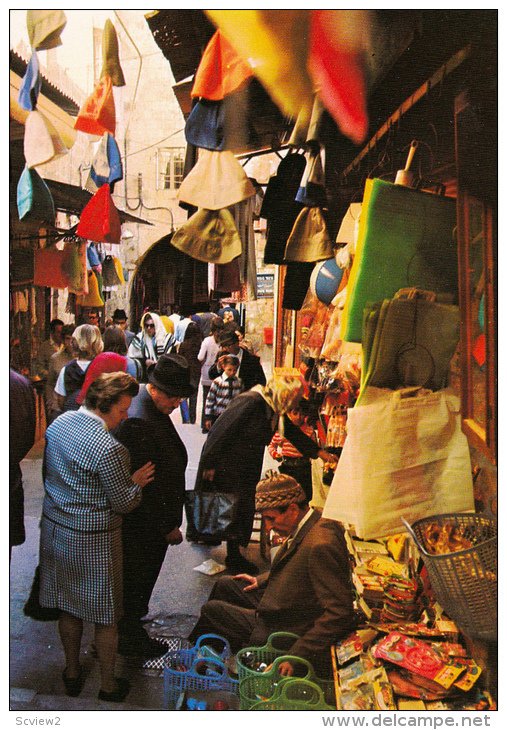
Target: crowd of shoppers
(114,470)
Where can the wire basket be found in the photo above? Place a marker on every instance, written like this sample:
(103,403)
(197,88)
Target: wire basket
(295,694)
(277,644)
(464,582)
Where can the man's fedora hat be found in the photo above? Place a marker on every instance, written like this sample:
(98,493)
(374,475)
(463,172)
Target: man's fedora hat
(171,374)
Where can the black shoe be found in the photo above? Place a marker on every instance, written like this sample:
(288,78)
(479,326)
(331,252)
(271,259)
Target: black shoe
(117,695)
(143,646)
(74,686)
(239,564)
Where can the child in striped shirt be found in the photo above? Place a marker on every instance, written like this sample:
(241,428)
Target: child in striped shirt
(222,390)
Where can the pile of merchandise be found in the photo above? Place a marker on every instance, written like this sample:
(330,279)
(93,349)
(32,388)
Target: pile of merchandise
(406,654)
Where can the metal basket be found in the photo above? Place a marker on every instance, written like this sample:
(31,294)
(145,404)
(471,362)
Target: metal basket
(277,644)
(465,582)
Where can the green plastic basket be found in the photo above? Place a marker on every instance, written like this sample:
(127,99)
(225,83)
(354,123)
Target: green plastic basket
(263,685)
(295,694)
(277,645)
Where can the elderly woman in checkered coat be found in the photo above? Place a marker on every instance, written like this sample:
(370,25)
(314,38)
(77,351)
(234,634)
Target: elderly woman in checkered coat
(88,486)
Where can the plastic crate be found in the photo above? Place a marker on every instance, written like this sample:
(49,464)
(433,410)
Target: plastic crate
(465,582)
(207,700)
(187,654)
(203,674)
(277,644)
(263,685)
(295,694)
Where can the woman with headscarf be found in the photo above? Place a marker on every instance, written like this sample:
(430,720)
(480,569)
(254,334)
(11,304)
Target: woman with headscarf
(151,342)
(87,345)
(232,456)
(106,362)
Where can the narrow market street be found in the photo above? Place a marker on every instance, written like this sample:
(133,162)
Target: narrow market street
(253,253)
(36,658)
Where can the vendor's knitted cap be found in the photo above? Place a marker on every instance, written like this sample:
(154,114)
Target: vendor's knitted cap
(278,490)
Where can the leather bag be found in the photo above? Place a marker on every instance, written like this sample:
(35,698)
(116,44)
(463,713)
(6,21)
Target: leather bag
(212,514)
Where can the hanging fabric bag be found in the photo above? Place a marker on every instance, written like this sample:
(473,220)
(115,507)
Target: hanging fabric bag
(31,85)
(309,239)
(110,55)
(34,200)
(41,143)
(98,113)
(45,28)
(100,220)
(210,236)
(405,455)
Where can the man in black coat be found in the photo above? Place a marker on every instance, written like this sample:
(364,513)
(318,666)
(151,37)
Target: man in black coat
(250,369)
(149,435)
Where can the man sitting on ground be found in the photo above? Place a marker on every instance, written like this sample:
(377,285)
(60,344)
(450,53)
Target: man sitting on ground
(308,590)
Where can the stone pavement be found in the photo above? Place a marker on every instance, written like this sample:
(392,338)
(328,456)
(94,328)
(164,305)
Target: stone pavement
(36,656)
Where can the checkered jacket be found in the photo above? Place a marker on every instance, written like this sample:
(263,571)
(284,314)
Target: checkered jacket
(218,397)
(86,475)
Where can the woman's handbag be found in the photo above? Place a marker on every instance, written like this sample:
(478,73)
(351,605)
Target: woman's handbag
(212,514)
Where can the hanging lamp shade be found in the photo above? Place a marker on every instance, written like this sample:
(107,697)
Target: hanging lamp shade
(111,55)
(337,67)
(209,235)
(31,85)
(221,70)
(275,42)
(98,113)
(34,200)
(216,181)
(100,220)
(44,28)
(42,142)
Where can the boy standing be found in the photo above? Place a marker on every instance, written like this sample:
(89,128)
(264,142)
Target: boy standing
(222,390)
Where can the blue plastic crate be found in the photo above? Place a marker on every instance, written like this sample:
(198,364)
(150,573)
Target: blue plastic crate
(203,674)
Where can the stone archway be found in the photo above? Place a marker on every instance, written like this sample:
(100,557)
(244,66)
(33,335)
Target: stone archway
(165,276)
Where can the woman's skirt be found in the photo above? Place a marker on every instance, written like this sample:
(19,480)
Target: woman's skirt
(81,572)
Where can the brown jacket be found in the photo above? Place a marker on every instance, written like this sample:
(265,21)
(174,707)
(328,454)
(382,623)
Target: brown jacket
(308,590)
